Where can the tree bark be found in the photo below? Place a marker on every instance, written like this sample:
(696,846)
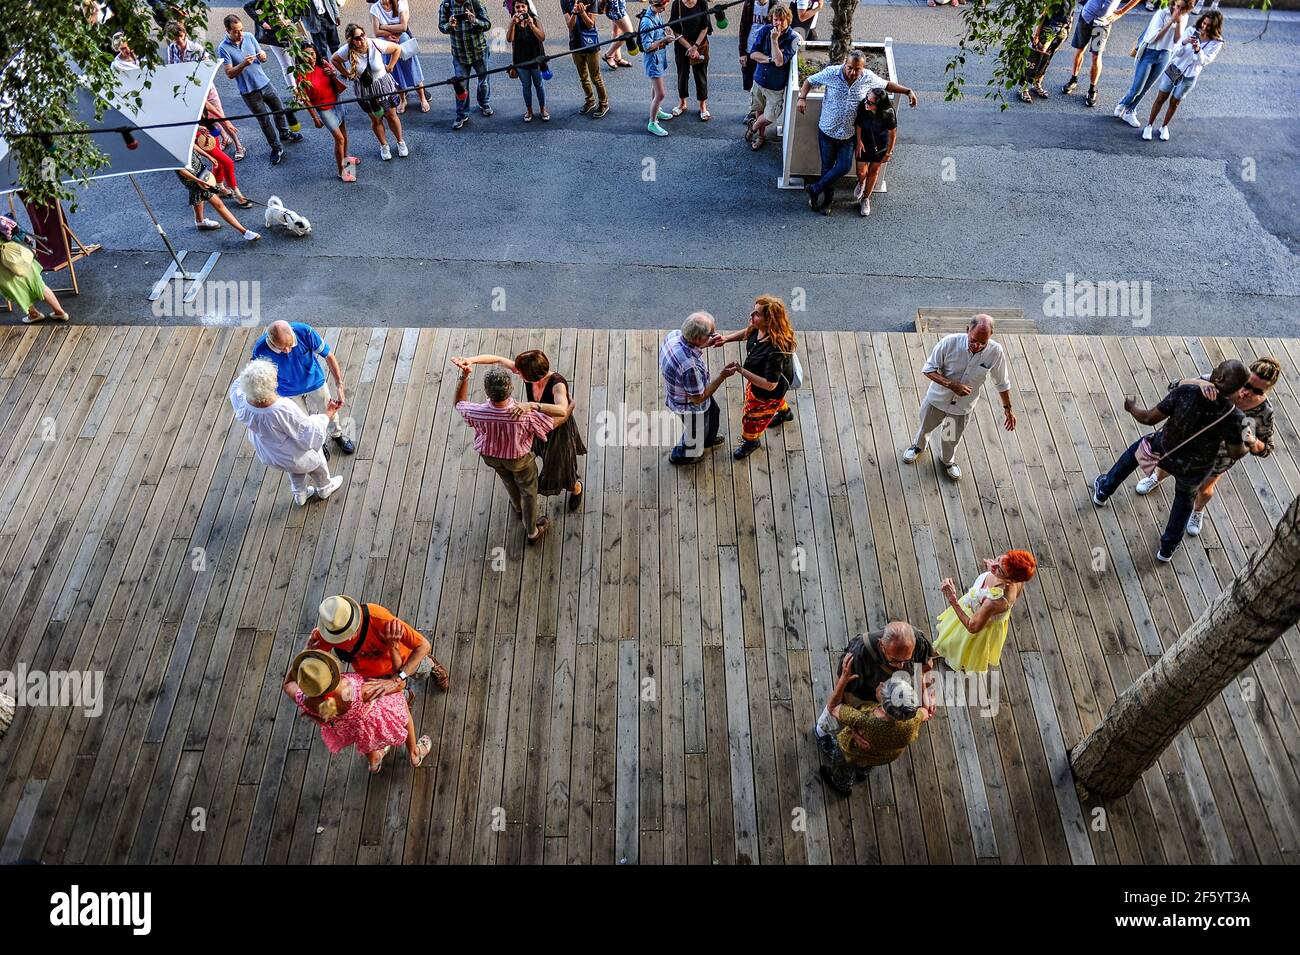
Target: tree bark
(842,28)
(6,713)
(1260,604)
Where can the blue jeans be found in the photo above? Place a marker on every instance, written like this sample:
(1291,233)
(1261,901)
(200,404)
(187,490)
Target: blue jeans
(1146,71)
(1184,496)
(463,71)
(837,160)
(532,80)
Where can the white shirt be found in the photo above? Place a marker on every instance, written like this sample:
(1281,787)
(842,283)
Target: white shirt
(1156,24)
(952,358)
(283,435)
(376,50)
(1189,62)
(808,24)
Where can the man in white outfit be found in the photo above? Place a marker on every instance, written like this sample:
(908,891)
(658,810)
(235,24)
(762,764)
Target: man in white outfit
(957,368)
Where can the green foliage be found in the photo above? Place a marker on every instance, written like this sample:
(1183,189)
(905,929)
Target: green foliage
(1005,28)
(38,84)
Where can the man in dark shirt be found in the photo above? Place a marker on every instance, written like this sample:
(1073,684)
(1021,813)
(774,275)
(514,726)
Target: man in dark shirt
(1187,445)
(877,656)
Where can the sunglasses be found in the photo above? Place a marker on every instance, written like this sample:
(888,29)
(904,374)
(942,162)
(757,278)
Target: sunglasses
(1254,391)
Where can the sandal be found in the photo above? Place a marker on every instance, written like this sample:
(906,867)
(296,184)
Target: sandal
(240,153)
(546,117)
(757,142)
(678,110)
(528,117)
(441,678)
(424,106)
(374,770)
(1025,97)
(348,176)
(422,747)
(543,525)
(610,61)
(244,202)
(622,62)
(705,116)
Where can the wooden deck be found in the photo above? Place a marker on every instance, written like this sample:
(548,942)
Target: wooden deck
(641,688)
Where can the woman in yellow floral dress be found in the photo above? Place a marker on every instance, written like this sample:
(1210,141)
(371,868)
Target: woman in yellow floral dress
(973,629)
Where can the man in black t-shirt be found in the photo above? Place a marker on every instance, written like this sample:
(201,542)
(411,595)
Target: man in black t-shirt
(1187,445)
(896,648)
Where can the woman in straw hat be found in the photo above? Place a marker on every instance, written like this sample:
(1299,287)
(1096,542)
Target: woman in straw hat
(334,700)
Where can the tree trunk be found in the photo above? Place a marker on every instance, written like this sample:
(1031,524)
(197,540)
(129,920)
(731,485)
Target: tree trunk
(1239,626)
(6,713)
(842,28)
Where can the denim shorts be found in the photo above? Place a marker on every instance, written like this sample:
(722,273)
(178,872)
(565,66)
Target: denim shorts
(1177,90)
(332,117)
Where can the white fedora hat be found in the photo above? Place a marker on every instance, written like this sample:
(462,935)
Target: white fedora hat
(338,619)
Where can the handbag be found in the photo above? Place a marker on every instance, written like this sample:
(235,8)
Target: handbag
(794,380)
(410,48)
(1148,460)
(1174,73)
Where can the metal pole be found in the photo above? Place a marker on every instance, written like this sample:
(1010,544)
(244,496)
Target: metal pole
(180,269)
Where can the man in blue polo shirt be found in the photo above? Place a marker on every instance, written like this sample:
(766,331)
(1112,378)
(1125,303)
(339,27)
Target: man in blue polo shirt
(244,57)
(294,348)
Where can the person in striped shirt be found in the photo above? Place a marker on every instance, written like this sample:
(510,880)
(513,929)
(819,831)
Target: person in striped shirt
(504,430)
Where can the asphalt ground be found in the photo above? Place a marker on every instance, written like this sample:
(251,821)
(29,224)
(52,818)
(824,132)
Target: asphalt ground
(507,224)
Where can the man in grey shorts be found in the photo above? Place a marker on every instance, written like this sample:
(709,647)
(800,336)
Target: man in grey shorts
(1091,30)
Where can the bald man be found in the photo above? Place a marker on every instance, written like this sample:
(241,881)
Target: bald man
(898,647)
(296,349)
(957,368)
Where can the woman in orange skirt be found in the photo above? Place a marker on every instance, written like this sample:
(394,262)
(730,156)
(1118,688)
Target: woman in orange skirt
(769,358)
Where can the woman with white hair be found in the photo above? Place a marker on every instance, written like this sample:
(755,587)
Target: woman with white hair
(283,435)
(870,735)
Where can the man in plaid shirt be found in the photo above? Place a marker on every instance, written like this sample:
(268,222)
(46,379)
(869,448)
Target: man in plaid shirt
(467,23)
(687,389)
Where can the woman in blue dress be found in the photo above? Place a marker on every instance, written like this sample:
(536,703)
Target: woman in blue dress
(391,20)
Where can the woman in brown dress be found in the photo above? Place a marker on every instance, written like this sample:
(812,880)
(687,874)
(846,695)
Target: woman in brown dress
(559,451)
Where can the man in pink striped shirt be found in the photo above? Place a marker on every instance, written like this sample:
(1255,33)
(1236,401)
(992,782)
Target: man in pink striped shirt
(504,430)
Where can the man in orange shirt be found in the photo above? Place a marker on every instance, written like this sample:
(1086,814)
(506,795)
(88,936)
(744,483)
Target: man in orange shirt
(382,648)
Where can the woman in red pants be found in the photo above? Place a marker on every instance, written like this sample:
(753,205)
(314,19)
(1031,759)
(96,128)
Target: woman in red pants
(223,167)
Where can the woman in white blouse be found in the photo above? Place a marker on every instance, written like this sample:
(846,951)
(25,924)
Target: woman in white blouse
(362,60)
(1153,51)
(1197,50)
(391,20)
(283,435)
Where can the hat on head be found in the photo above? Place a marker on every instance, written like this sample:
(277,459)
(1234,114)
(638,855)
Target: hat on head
(316,672)
(338,619)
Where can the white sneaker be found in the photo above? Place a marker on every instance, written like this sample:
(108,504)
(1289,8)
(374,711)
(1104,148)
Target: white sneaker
(1164,134)
(1119,109)
(864,208)
(401,149)
(911,454)
(386,154)
(251,236)
(1147,484)
(953,471)
(335,483)
(302,497)
(1131,117)
(1146,133)
(1194,523)
(859,189)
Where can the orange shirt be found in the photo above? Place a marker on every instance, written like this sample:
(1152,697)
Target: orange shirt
(371,656)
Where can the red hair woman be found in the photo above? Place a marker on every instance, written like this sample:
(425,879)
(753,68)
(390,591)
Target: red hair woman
(769,359)
(973,629)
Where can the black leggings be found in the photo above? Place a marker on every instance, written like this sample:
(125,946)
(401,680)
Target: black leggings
(684,70)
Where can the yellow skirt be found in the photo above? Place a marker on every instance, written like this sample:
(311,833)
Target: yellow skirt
(970,651)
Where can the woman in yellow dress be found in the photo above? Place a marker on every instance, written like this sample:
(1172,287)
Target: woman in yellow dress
(972,630)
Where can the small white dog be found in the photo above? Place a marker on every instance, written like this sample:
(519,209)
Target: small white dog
(278,215)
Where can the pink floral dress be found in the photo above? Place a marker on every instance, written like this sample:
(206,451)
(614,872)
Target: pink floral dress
(368,726)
